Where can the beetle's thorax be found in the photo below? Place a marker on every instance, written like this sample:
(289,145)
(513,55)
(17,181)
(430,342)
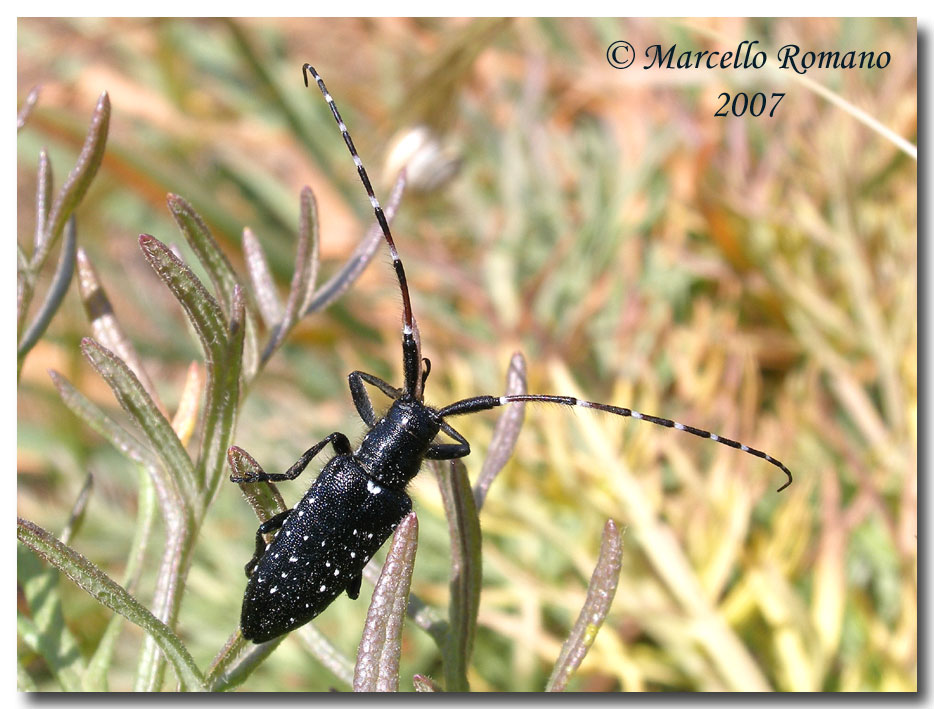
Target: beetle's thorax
(392,451)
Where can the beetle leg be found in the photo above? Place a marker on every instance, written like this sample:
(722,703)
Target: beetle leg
(337,439)
(449,451)
(270,525)
(362,400)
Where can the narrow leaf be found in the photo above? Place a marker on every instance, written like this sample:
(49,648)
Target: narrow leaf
(321,648)
(360,258)
(377,668)
(264,288)
(43,199)
(76,517)
(223,398)
(79,179)
(95,678)
(200,306)
(45,631)
(600,595)
(426,617)
(264,498)
(506,432)
(57,289)
(90,578)
(466,573)
(138,404)
(30,103)
(304,275)
(105,326)
(236,672)
(201,241)
(425,684)
(83,408)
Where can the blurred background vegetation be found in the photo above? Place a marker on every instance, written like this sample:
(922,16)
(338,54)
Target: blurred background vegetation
(752,276)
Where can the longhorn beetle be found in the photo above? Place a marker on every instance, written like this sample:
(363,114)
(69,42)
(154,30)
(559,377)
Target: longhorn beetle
(322,545)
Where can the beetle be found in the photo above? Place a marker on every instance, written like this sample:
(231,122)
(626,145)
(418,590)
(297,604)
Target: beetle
(358,499)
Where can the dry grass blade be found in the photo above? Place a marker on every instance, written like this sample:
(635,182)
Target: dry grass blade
(600,595)
(377,668)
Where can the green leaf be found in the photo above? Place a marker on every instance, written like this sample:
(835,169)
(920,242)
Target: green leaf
(90,578)
(200,306)
(45,631)
(53,299)
(377,668)
(233,665)
(141,408)
(466,572)
(201,241)
(321,648)
(222,400)
(95,678)
(600,595)
(78,180)
(264,287)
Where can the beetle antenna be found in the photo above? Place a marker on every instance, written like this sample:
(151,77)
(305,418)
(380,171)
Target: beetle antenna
(483,403)
(411,361)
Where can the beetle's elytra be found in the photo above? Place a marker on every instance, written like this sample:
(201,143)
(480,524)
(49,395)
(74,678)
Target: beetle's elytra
(322,545)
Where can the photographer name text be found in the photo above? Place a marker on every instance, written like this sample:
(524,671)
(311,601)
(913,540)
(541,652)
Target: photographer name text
(746,56)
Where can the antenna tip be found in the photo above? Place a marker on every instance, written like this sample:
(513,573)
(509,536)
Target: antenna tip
(306,67)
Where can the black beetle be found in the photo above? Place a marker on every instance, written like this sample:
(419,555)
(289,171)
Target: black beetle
(359,498)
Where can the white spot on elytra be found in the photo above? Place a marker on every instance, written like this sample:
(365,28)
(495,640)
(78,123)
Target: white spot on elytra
(288,532)
(273,589)
(327,564)
(337,572)
(293,559)
(323,588)
(353,555)
(305,538)
(369,536)
(355,532)
(301,513)
(284,575)
(373,488)
(322,542)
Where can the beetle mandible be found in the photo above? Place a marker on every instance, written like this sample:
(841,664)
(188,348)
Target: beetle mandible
(359,498)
